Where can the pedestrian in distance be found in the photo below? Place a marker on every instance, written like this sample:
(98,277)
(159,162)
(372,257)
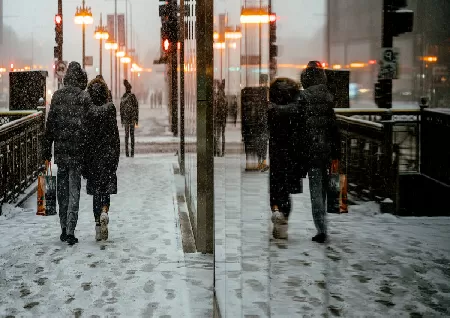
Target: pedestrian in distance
(66,128)
(102,154)
(129,115)
(288,157)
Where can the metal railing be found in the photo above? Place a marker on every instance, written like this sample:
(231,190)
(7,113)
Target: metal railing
(405,132)
(20,152)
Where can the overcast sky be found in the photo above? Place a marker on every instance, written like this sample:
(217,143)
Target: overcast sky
(34,18)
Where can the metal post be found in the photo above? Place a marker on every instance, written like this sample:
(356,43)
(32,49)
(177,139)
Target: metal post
(387,42)
(182,141)
(260,46)
(205,144)
(116,95)
(111,68)
(84,44)
(101,43)
(60,49)
(328,38)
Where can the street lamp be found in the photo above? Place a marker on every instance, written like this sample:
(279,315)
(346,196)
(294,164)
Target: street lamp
(111,46)
(101,34)
(83,16)
(119,55)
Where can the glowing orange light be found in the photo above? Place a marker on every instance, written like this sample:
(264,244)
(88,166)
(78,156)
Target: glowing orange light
(273,18)
(58,19)
(373,62)
(166,45)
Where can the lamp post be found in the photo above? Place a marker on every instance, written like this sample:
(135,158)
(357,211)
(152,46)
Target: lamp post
(101,34)
(83,16)
(119,55)
(111,46)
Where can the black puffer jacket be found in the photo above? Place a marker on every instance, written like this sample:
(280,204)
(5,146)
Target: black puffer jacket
(322,134)
(66,122)
(103,143)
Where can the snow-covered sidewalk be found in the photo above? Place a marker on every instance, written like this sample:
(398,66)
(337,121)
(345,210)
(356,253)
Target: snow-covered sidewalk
(140,272)
(375,265)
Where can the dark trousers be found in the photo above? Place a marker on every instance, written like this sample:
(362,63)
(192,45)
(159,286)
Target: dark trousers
(318,187)
(68,193)
(100,200)
(283,201)
(129,131)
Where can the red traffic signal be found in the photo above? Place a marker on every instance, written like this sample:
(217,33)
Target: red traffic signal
(58,19)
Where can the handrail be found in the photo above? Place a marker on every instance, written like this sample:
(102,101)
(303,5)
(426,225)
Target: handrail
(360,122)
(15,123)
(376,111)
(17,112)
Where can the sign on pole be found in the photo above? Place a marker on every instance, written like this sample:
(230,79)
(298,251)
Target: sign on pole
(111,27)
(389,67)
(88,60)
(121,29)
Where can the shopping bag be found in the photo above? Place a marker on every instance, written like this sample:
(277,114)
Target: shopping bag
(343,205)
(333,192)
(46,194)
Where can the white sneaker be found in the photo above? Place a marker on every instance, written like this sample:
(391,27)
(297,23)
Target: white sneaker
(104,220)
(280,225)
(98,236)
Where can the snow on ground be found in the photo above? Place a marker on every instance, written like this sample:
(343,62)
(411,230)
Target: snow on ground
(140,272)
(375,265)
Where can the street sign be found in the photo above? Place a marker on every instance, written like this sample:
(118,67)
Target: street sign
(61,69)
(389,67)
(88,61)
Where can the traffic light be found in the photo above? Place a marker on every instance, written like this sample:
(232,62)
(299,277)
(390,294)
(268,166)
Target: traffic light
(401,20)
(58,29)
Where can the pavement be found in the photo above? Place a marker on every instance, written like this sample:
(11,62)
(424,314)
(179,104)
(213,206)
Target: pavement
(140,271)
(375,265)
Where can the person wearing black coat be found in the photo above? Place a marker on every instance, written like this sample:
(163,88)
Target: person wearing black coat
(102,156)
(304,139)
(322,142)
(288,158)
(66,128)
(129,115)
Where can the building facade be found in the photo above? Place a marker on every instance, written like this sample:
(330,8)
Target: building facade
(355,32)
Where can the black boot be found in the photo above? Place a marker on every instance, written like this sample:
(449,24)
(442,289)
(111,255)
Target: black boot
(71,239)
(63,236)
(320,238)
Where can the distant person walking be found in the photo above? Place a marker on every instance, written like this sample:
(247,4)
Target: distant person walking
(66,128)
(102,154)
(129,115)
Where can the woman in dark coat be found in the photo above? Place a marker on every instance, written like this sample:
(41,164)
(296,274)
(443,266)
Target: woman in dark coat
(102,157)
(288,158)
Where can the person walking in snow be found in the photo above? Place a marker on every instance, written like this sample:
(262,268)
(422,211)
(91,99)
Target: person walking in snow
(129,115)
(66,128)
(321,143)
(102,154)
(287,153)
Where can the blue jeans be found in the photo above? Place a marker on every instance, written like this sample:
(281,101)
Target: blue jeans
(68,193)
(318,185)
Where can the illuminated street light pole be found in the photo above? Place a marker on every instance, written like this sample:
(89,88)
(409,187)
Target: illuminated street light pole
(119,55)
(111,46)
(83,16)
(101,34)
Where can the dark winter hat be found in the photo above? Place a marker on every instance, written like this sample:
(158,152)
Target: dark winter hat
(99,76)
(99,92)
(283,91)
(75,76)
(127,85)
(313,74)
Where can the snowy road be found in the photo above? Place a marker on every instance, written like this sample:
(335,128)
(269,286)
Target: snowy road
(140,272)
